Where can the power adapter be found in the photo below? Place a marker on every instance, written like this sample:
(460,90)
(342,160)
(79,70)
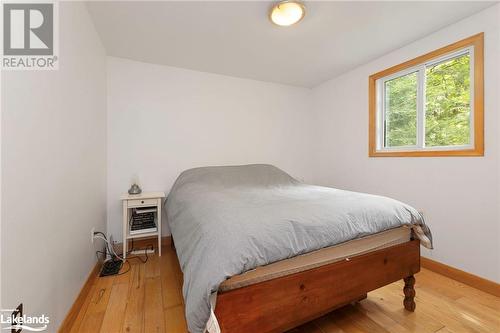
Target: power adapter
(111,267)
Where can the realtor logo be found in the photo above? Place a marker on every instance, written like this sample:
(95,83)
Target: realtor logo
(29,36)
(28,29)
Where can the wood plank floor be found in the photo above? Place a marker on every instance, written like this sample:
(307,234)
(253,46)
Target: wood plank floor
(148,298)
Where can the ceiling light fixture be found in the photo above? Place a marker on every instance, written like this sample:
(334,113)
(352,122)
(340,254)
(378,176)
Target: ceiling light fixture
(286,13)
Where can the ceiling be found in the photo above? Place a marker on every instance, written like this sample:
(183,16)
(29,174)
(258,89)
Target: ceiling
(236,38)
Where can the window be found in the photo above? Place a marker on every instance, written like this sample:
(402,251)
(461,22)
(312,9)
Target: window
(431,105)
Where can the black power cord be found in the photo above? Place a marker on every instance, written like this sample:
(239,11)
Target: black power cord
(114,255)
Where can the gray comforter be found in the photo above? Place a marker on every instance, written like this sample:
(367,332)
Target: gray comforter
(228,220)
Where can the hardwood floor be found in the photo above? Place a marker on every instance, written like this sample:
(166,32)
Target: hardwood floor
(148,298)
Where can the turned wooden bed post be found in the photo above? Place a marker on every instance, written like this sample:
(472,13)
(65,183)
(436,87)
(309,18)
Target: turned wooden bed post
(409,292)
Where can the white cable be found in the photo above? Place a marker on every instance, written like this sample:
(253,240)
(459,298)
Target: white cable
(110,246)
(105,241)
(116,254)
(99,236)
(113,249)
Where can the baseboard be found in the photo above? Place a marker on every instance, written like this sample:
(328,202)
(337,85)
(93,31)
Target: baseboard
(461,276)
(78,304)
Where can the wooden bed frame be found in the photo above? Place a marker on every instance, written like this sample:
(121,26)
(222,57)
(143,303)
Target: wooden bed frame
(283,303)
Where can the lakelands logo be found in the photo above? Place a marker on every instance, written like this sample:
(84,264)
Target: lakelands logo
(15,321)
(29,35)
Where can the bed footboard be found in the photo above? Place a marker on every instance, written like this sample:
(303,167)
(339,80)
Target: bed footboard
(286,302)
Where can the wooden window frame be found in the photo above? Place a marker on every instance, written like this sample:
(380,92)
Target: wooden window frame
(477,43)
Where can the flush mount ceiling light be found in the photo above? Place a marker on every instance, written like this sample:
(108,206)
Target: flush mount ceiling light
(286,13)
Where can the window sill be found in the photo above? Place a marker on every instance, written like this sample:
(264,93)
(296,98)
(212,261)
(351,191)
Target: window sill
(477,152)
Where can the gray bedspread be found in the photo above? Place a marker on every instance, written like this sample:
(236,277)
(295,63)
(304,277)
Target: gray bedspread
(227,220)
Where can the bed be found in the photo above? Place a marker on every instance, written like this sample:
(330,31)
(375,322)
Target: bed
(263,252)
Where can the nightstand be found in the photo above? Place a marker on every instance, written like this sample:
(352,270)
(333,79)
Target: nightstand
(144,200)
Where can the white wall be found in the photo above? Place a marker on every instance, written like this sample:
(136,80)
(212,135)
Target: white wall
(163,120)
(53,172)
(459,196)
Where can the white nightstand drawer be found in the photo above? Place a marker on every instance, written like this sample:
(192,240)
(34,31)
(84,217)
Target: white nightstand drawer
(142,202)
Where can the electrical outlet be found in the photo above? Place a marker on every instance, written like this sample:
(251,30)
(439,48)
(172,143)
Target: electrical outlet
(92,231)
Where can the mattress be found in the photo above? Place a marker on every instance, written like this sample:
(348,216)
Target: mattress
(318,258)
